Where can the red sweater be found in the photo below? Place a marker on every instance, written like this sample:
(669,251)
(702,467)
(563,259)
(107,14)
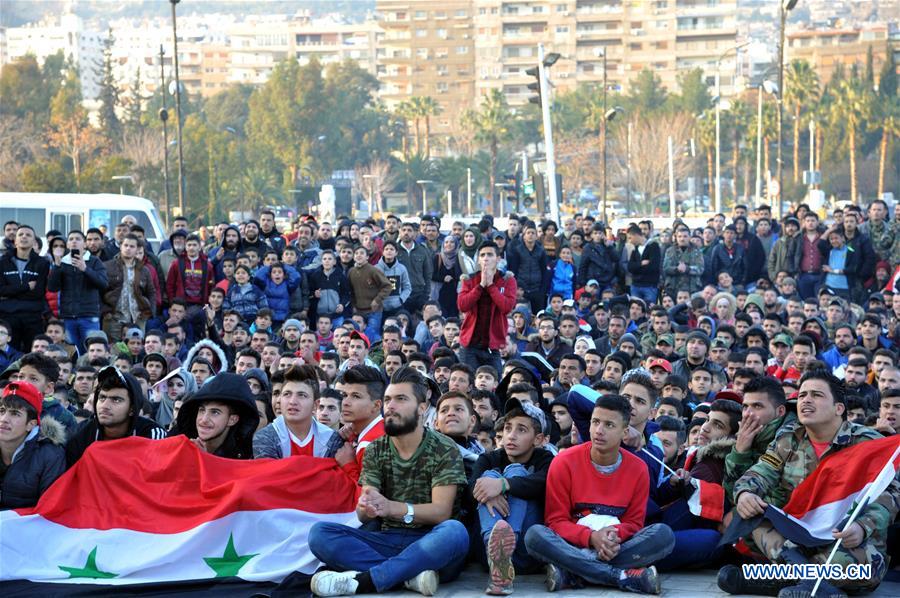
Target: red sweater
(499,301)
(622,494)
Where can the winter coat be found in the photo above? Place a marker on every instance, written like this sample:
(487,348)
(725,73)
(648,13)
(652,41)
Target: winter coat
(246,300)
(502,297)
(754,258)
(419,266)
(334,290)
(176,276)
(144,292)
(35,465)
(562,279)
(785,256)
(278,296)
(598,262)
(529,267)
(737,463)
(79,291)
(721,260)
(233,390)
(157,286)
(309,258)
(16,296)
(368,285)
(445,293)
(273,239)
(221,366)
(213,253)
(641,275)
(401,288)
(691,279)
(7,357)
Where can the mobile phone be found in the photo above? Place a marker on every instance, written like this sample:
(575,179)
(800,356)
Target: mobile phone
(76,253)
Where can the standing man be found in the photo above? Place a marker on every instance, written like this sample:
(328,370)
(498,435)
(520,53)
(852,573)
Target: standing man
(191,278)
(644,265)
(370,288)
(683,265)
(486,299)
(528,262)
(728,256)
(79,278)
(269,232)
(130,297)
(23,282)
(810,257)
(411,479)
(419,265)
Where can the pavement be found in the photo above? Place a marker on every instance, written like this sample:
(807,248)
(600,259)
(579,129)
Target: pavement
(695,584)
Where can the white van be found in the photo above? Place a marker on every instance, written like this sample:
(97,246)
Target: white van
(80,211)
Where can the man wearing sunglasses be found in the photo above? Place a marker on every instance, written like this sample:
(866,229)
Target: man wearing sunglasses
(117,404)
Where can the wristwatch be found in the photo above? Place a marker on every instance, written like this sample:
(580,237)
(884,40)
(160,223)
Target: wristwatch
(408,518)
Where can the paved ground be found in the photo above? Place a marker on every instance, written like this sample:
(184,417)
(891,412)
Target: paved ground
(678,585)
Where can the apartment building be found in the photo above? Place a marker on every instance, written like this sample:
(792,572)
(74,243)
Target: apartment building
(826,48)
(428,49)
(665,36)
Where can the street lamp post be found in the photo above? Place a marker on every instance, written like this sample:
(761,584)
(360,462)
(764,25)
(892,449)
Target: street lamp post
(784,7)
(718,101)
(178,110)
(424,182)
(601,53)
(123,177)
(164,116)
(371,178)
(545,61)
(770,88)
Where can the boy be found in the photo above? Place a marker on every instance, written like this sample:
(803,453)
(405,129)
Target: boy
(221,417)
(513,479)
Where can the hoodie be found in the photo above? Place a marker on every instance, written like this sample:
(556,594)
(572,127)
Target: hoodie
(401,288)
(166,406)
(220,361)
(233,390)
(213,254)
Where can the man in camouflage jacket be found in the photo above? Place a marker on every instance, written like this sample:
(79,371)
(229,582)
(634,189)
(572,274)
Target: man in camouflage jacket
(791,458)
(682,265)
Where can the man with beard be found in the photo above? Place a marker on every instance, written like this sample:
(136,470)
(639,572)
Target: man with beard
(252,240)
(230,248)
(117,404)
(844,340)
(309,255)
(855,376)
(411,479)
(95,244)
(269,232)
(696,349)
(325,237)
(221,417)
(419,265)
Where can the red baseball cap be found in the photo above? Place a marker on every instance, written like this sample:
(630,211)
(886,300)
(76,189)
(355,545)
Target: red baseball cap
(28,392)
(357,334)
(660,363)
(731,395)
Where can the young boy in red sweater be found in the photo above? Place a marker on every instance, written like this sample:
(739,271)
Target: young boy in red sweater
(596,501)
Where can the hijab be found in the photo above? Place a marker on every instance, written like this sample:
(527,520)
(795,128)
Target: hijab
(472,251)
(449,258)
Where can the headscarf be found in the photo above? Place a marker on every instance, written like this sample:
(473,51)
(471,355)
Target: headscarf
(449,259)
(472,252)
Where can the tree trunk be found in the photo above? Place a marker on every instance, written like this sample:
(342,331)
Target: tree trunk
(852,140)
(427,136)
(493,176)
(746,181)
(765,172)
(293,170)
(881,162)
(735,160)
(711,182)
(797,144)
(418,132)
(820,134)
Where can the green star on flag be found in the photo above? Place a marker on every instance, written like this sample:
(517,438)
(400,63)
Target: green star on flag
(89,570)
(230,563)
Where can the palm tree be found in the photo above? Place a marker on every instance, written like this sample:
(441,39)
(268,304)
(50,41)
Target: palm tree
(738,117)
(706,134)
(429,107)
(491,123)
(801,90)
(851,106)
(408,111)
(889,122)
(258,185)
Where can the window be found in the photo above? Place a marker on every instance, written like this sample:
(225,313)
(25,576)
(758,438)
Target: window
(462,14)
(443,87)
(562,29)
(442,70)
(33,217)
(422,53)
(462,49)
(561,8)
(420,14)
(421,32)
(442,33)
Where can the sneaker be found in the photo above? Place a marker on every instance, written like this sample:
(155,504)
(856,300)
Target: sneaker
(559,579)
(500,548)
(425,583)
(641,581)
(731,580)
(334,583)
(804,590)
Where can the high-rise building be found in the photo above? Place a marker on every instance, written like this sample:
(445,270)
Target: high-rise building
(666,36)
(428,49)
(828,48)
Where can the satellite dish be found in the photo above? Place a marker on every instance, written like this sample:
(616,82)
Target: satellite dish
(172,87)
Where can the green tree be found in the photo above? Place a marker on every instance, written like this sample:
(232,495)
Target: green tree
(888,122)
(491,123)
(801,93)
(737,119)
(870,69)
(98,175)
(851,106)
(289,114)
(646,93)
(229,108)
(70,132)
(134,103)
(110,126)
(694,95)
(887,81)
(47,176)
(706,138)
(258,187)
(21,85)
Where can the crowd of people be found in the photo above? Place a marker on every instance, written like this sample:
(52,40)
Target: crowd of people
(533,399)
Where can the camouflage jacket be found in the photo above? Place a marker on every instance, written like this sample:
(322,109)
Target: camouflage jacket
(790,458)
(690,279)
(737,463)
(882,236)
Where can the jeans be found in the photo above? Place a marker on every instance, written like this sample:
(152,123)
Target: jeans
(807,284)
(392,556)
(694,548)
(373,326)
(646,547)
(648,294)
(77,330)
(475,358)
(522,515)
(537,299)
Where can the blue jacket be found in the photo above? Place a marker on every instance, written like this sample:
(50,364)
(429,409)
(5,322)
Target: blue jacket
(246,300)
(35,466)
(9,356)
(563,279)
(834,359)
(278,296)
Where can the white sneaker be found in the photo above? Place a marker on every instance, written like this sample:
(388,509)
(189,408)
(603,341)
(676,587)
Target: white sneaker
(334,583)
(425,583)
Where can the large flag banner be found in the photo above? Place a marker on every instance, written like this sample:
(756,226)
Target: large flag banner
(139,511)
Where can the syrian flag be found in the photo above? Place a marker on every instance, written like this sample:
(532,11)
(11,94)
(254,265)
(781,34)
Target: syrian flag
(706,499)
(139,511)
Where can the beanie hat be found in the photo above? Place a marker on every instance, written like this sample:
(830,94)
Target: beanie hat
(699,334)
(28,392)
(291,322)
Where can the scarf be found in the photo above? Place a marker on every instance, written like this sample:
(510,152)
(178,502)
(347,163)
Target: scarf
(472,251)
(449,258)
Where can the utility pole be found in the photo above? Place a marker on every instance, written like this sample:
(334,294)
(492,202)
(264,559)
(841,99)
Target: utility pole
(548,136)
(178,110)
(671,176)
(759,143)
(469,191)
(718,143)
(782,16)
(603,132)
(628,169)
(164,116)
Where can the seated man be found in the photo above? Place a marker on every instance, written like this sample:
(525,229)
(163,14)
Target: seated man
(509,484)
(411,479)
(362,388)
(221,417)
(821,430)
(596,500)
(31,451)
(295,431)
(118,400)
(456,419)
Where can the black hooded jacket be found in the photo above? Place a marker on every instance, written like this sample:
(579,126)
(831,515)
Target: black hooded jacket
(233,390)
